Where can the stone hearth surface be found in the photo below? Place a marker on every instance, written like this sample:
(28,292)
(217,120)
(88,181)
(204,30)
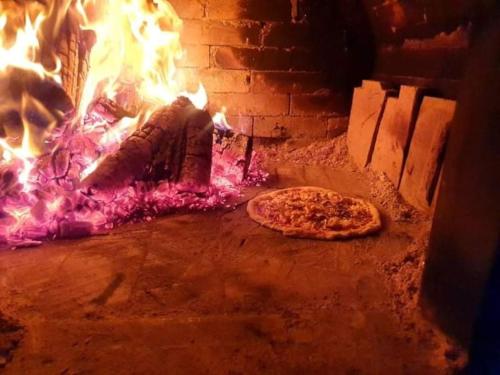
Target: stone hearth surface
(215,293)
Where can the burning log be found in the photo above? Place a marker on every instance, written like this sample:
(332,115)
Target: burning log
(29,99)
(73,47)
(15,82)
(60,35)
(196,170)
(175,144)
(237,150)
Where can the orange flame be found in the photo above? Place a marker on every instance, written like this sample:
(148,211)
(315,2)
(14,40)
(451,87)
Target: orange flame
(23,53)
(138,45)
(20,49)
(133,63)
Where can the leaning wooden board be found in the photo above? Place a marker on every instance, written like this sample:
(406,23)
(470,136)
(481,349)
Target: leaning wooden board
(421,170)
(367,107)
(394,133)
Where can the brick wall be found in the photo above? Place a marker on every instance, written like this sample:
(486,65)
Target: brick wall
(286,68)
(255,58)
(425,43)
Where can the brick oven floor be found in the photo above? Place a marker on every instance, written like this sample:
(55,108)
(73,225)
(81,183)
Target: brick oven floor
(214,293)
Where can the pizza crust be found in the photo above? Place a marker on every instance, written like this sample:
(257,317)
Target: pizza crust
(333,227)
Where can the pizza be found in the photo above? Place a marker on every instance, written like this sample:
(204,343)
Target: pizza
(312,212)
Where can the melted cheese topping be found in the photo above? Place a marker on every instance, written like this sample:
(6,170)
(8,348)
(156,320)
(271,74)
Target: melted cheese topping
(317,210)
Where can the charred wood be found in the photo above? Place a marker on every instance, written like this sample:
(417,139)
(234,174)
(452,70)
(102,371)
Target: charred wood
(25,95)
(175,144)
(238,149)
(73,47)
(75,229)
(197,166)
(9,184)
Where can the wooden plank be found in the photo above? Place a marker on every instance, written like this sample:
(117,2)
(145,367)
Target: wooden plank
(394,133)
(435,196)
(427,144)
(367,107)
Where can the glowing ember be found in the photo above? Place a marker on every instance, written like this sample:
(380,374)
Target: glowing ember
(47,148)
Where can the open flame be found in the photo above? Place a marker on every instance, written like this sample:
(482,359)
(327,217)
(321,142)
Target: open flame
(45,153)
(23,53)
(138,45)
